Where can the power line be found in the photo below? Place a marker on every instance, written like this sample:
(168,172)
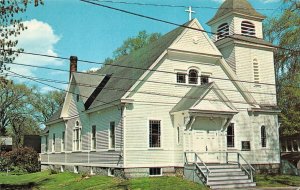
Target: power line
(29,78)
(176,6)
(140,92)
(166,72)
(126,78)
(180,25)
(125,90)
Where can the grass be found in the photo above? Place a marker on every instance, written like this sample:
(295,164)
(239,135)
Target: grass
(277,181)
(70,181)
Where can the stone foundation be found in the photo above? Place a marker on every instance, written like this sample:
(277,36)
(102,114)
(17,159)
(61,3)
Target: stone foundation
(117,172)
(267,168)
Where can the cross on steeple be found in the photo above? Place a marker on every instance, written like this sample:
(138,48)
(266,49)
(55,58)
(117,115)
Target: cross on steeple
(190,11)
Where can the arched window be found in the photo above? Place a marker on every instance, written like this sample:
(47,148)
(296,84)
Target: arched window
(255,71)
(248,28)
(263,136)
(193,76)
(223,31)
(230,135)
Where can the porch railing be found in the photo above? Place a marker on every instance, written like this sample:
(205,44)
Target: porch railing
(230,158)
(196,161)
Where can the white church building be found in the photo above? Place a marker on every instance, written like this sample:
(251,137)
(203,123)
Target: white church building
(187,104)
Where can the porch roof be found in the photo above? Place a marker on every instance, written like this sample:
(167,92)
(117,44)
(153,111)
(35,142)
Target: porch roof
(196,100)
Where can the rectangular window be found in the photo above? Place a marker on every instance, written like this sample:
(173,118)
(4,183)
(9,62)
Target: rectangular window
(230,136)
(112,142)
(204,79)
(77,139)
(154,133)
(46,143)
(93,137)
(181,78)
(63,141)
(155,171)
(53,142)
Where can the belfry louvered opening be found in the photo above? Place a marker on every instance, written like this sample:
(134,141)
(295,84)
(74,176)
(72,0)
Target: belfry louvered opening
(256,71)
(223,31)
(248,28)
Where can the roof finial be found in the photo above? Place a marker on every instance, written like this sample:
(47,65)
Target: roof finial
(190,11)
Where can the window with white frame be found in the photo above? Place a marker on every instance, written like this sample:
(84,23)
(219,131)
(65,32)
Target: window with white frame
(53,142)
(77,137)
(263,136)
(63,136)
(247,28)
(154,134)
(255,71)
(46,143)
(112,135)
(230,135)
(223,31)
(155,171)
(204,79)
(181,78)
(193,76)
(93,138)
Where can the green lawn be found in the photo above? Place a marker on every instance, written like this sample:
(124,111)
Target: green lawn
(277,181)
(65,181)
(70,181)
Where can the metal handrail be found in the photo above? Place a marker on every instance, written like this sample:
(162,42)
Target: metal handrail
(246,161)
(208,171)
(196,156)
(250,174)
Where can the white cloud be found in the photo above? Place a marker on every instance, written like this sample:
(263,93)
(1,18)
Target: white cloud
(38,38)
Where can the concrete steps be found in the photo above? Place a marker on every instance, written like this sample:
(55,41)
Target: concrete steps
(228,176)
(225,176)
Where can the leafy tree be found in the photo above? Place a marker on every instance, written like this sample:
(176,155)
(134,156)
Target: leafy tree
(12,99)
(132,44)
(284,31)
(11,26)
(46,104)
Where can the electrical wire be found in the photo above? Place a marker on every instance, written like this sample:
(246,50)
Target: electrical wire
(180,25)
(175,6)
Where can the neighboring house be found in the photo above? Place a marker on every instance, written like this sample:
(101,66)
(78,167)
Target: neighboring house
(5,144)
(189,95)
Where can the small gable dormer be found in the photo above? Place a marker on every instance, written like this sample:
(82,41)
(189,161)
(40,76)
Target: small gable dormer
(236,17)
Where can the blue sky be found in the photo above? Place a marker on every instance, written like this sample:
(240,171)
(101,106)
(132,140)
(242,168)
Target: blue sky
(71,27)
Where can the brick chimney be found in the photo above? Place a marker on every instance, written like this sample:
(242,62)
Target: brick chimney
(73,64)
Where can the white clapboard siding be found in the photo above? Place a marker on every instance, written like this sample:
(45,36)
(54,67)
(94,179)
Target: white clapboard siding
(194,41)
(244,69)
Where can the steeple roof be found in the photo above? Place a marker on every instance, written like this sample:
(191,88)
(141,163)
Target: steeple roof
(236,6)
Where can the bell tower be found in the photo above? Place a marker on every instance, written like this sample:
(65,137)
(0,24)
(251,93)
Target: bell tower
(238,34)
(236,17)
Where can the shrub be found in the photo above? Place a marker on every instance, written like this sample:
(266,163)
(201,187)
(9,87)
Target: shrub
(23,159)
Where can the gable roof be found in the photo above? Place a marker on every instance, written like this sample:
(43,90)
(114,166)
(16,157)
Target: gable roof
(86,84)
(55,116)
(124,74)
(197,95)
(236,6)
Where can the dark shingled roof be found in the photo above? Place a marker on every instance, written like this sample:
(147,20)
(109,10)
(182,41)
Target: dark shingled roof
(87,84)
(236,6)
(247,39)
(55,116)
(123,78)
